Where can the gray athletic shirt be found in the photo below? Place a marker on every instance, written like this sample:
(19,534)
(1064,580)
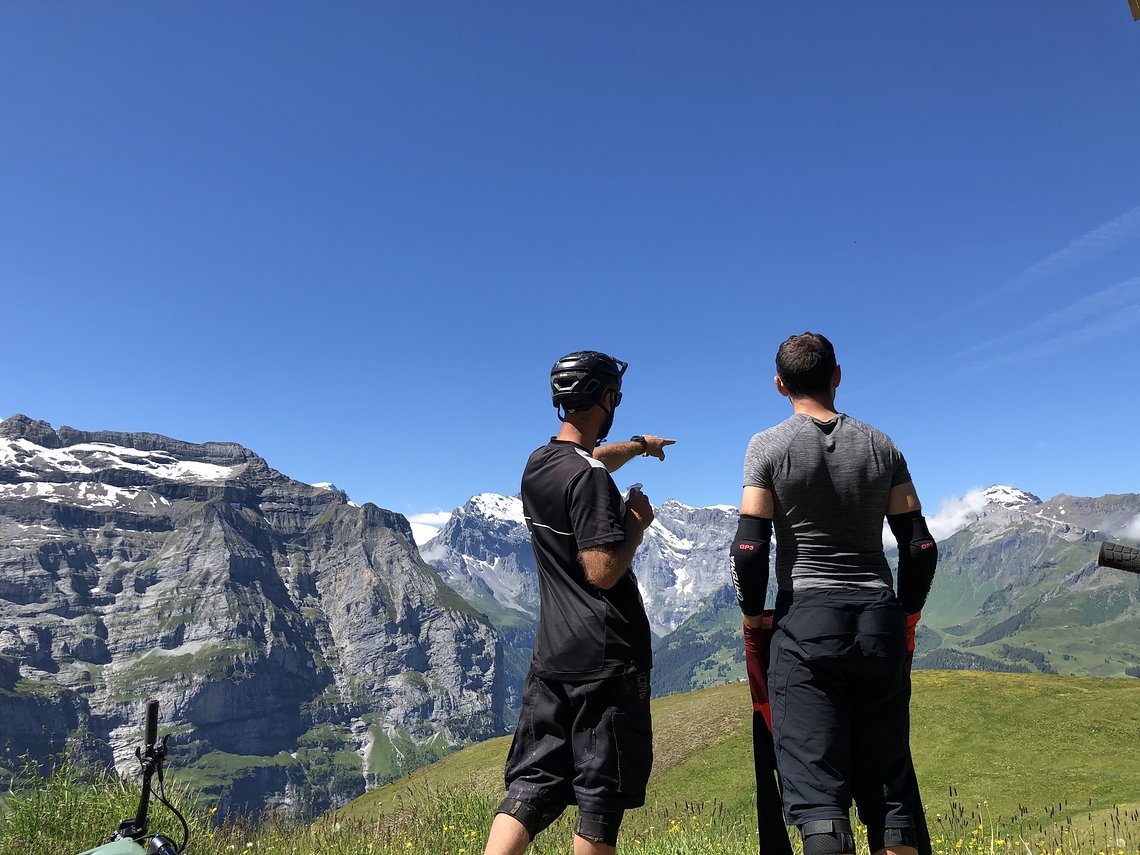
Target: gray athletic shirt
(831,482)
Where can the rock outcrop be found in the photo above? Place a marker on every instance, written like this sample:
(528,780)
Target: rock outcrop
(292,638)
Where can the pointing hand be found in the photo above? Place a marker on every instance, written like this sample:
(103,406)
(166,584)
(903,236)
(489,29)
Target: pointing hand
(655,446)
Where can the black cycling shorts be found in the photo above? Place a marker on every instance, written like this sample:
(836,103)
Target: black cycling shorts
(840,707)
(588,743)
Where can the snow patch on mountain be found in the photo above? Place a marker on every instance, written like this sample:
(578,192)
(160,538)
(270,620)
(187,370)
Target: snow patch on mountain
(1009,497)
(957,512)
(679,546)
(32,461)
(89,494)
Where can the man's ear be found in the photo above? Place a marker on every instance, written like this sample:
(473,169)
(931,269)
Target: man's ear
(837,377)
(780,387)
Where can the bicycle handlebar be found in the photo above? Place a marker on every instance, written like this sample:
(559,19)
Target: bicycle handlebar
(151,723)
(1119,557)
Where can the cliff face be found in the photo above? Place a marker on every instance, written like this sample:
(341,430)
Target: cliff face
(297,643)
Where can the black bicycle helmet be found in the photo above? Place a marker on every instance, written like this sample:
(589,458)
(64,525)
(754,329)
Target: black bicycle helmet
(579,380)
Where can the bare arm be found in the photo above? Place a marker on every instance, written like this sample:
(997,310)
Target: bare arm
(616,454)
(758,502)
(903,499)
(605,565)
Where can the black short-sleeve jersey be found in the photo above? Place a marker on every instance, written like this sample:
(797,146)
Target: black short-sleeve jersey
(571,503)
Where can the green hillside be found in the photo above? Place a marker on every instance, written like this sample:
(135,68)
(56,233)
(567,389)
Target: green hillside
(1016,597)
(1005,740)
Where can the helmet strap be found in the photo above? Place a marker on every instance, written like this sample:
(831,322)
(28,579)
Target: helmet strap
(607,424)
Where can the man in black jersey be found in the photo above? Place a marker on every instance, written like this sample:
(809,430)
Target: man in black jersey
(837,677)
(583,735)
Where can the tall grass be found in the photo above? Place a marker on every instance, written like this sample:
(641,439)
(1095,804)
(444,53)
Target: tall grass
(73,810)
(79,806)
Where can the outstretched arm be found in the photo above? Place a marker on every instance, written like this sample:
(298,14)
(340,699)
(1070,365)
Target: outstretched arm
(616,454)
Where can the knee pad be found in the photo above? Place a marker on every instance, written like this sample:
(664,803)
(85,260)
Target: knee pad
(534,818)
(599,827)
(828,837)
(880,838)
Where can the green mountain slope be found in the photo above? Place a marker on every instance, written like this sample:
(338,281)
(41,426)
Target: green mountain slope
(1017,590)
(1005,739)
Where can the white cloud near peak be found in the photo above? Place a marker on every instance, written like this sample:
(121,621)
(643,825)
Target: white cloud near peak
(427,525)
(1131,529)
(433,518)
(953,515)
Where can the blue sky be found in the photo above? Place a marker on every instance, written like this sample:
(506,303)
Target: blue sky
(355,236)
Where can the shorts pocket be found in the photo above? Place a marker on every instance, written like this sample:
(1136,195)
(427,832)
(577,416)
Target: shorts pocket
(820,632)
(882,631)
(633,742)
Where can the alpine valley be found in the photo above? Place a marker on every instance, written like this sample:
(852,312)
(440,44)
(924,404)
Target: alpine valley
(303,649)
(1017,587)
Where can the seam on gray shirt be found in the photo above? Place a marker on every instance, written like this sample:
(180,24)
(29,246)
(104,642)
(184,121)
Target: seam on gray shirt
(831,491)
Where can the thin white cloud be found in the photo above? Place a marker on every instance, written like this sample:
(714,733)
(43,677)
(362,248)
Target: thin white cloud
(1093,307)
(1100,241)
(1109,312)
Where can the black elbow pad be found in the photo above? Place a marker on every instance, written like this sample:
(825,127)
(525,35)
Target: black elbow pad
(749,562)
(918,557)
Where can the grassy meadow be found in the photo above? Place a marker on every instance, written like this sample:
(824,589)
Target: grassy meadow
(1008,763)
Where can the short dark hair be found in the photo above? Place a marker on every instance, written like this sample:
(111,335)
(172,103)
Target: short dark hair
(806,364)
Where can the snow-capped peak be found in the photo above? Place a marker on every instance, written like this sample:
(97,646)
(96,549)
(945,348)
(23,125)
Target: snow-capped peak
(494,506)
(674,503)
(1009,497)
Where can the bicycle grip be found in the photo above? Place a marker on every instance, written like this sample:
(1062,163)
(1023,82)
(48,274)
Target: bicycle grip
(1119,557)
(151,723)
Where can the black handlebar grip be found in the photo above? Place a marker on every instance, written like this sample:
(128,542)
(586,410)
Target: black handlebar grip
(1119,557)
(151,723)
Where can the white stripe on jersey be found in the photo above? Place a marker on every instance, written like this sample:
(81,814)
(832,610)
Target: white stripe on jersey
(597,464)
(548,528)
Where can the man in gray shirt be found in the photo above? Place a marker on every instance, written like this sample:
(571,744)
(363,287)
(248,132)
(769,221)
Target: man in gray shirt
(837,674)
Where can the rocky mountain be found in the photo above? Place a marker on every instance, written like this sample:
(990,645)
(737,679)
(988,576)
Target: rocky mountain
(298,644)
(484,553)
(1017,589)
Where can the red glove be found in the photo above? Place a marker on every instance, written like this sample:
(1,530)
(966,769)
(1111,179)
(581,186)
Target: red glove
(757,647)
(911,623)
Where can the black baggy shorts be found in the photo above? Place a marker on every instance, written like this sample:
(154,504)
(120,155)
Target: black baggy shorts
(588,743)
(841,707)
